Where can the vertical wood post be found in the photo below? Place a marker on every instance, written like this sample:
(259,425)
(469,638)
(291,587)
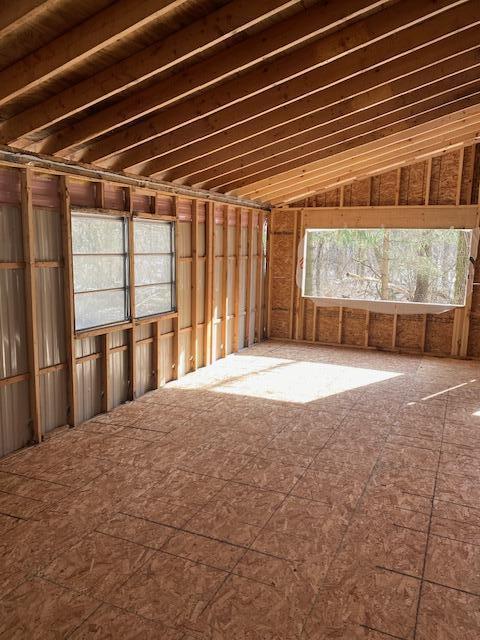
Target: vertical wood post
(28,228)
(69,301)
(209,257)
(238,269)
(225,282)
(268,302)
(259,284)
(248,305)
(194,279)
(106,372)
(132,352)
(176,319)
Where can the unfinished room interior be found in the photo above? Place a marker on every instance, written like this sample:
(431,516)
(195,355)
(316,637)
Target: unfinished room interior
(239,320)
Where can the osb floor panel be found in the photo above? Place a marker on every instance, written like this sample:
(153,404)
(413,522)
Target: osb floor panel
(284,493)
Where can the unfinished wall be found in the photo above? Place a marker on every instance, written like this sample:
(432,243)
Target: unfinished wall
(450,179)
(219,302)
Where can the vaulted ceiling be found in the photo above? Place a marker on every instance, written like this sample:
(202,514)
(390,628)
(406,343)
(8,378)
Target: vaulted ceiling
(272,100)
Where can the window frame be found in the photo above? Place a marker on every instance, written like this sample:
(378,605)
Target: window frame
(129,262)
(370,302)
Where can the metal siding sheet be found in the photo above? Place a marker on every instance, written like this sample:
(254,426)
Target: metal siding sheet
(166,359)
(50,316)
(118,339)
(53,399)
(87,346)
(184,239)
(217,288)
(48,238)
(11,229)
(217,341)
(118,378)
(15,425)
(145,369)
(200,351)
(201,291)
(185,294)
(184,362)
(230,327)
(89,389)
(13,342)
(201,239)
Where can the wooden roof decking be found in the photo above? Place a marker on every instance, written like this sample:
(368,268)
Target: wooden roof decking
(273,100)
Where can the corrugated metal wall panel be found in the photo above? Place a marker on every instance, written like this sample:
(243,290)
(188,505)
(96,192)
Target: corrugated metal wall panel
(217,288)
(185,294)
(201,239)
(50,316)
(118,378)
(13,342)
(87,346)
(118,339)
(184,364)
(184,240)
(200,345)
(230,329)
(53,399)
(217,340)
(145,368)
(48,238)
(89,389)
(201,291)
(15,429)
(11,228)
(166,359)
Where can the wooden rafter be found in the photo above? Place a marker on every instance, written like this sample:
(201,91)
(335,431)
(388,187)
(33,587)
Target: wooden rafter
(141,142)
(336,167)
(118,20)
(159,57)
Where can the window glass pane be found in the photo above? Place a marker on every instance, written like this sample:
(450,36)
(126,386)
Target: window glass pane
(398,265)
(153,237)
(92,273)
(94,234)
(98,308)
(156,269)
(153,299)
(100,270)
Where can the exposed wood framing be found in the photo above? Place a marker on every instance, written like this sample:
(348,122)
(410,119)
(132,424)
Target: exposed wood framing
(194,235)
(225,282)
(259,280)
(69,303)
(28,228)
(209,263)
(131,279)
(238,267)
(248,303)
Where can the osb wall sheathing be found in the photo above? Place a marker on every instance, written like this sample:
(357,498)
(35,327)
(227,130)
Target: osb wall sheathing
(435,181)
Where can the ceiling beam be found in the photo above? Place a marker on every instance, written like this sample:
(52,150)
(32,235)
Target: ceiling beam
(18,14)
(316,92)
(205,73)
(197,37)
(344,162)
(453,124)
(274,75)
(235,152)
(363,135)
(105,27)
(408,157)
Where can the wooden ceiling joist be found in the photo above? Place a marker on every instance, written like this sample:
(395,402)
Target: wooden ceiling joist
(115,21)
(200,76)
(270,100)
(16,15)
(234,158)
(137,143)
(195,38)
(432,130)
(316,92)
(423,139)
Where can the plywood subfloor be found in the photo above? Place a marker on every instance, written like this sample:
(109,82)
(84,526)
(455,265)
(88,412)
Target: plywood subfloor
(286,492)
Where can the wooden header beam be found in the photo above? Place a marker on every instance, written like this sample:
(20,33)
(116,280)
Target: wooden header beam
(394,217)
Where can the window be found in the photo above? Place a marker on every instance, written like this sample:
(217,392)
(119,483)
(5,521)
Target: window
(154,243)
(397,265)
(100,270)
